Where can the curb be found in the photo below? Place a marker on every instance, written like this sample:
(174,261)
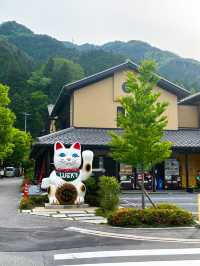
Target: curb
(132,237)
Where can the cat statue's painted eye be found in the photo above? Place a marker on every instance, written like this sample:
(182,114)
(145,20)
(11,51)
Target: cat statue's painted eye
(62,154)
(75,155)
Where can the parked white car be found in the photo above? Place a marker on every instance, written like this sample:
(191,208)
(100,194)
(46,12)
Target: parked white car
(1,172)
(9,171)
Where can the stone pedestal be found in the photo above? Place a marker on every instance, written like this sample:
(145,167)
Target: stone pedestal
(56,206)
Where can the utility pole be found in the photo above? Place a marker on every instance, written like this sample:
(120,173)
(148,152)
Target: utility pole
(25,120)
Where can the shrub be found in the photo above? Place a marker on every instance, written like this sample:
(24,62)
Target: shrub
(167,217)
(156,216)
(26,204)
(109,190)
(173,216)
(167,206)
(101,212)
(92,188)
(39,200)
(33,201)
(126,217)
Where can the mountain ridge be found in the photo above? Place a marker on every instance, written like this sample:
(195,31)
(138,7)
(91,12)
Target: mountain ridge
(36,67)
(94,58)
(183,71)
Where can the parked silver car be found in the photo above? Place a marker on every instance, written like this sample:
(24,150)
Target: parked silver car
(9,171)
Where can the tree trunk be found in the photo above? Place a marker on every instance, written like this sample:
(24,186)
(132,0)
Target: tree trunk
(142,187)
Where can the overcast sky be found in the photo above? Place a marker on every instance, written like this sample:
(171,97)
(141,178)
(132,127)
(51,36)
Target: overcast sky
(172,25)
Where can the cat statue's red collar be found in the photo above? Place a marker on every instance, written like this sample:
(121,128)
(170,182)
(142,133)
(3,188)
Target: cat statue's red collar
(69,174)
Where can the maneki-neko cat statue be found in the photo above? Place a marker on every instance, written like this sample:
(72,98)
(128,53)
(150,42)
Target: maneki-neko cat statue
(65,183)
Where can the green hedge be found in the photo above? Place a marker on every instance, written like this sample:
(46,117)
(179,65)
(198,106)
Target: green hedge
(126,217)
(109,190)
(33,201)
(102,192)
(167,206)
(92,188)
(26,204)
(163,215)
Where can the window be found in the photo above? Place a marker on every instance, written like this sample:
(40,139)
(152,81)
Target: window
(124,87)
(120,110)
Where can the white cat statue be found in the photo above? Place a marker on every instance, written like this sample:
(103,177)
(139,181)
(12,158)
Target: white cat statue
(67,164)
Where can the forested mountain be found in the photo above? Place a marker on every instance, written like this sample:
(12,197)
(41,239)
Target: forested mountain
(94,61)
(185,72)
(35,78)
(15,65)
(11,28)
(37,66)
(39,47)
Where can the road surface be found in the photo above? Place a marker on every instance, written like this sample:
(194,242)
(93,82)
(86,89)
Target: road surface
(33,240)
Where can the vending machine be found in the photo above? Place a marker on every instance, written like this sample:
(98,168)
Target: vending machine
(126,177)
(148,181)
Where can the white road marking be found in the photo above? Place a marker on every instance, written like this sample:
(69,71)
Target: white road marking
(177,204)
(81,215)
(131,237)
(160,198)
(127,253)
(128,203)
(146,263)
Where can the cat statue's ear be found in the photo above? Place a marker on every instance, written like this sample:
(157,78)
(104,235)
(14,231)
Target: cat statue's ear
(58,145)
(76,146)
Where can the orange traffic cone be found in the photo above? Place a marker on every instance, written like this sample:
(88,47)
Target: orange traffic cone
(26,191)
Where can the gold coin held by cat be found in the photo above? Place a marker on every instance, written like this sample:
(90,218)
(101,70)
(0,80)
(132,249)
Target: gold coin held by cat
(66,194)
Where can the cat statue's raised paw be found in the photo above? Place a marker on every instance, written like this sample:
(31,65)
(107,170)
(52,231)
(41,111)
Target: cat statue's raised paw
(67,164)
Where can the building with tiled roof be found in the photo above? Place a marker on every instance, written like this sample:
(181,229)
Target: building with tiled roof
(86,111)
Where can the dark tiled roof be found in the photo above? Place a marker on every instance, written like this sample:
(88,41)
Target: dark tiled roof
(69,88)
(192,99)
(182,138)
(86,136)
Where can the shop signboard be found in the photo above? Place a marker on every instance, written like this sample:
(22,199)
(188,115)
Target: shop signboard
(171,167)
(126,176)
(125,170)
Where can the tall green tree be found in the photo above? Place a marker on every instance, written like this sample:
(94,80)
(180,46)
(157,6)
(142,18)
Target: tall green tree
(37,108)
(21,147)
(143,122)
(38,81)
(7,119)
(60,71)
(14,144)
